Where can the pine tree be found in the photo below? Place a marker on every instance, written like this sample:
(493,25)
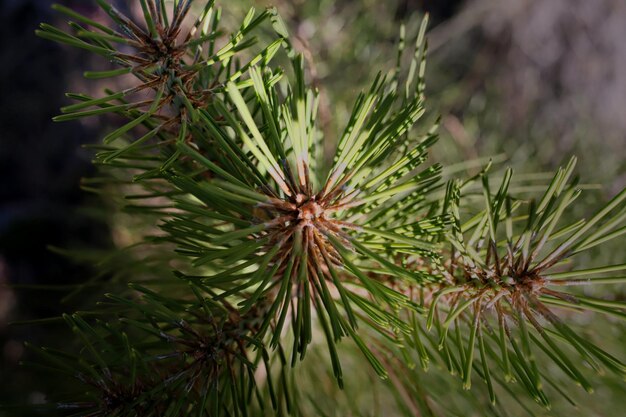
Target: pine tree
(273,263)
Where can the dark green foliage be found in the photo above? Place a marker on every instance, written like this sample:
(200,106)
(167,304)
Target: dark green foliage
(267,249)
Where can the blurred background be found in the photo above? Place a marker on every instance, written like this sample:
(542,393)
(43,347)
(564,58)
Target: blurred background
(535,80)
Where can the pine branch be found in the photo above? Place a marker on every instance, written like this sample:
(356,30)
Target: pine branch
(275,251)
(498,287)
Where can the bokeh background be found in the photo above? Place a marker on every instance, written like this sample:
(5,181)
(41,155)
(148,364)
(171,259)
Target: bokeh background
(534,80)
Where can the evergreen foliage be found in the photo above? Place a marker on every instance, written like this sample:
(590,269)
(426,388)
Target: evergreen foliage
(268,249)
